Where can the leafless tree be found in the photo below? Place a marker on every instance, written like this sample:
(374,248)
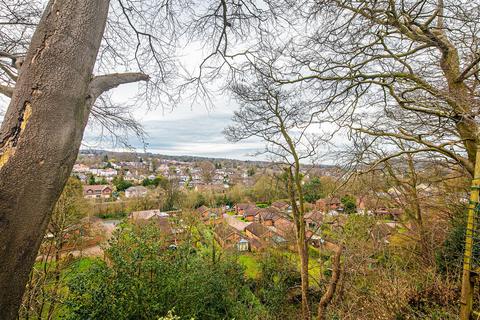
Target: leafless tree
(391,73)
(333,284)
(281,119)
(207,171)
(408,183)
(406,70)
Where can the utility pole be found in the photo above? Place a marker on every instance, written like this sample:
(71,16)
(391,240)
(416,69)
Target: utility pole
(470,263)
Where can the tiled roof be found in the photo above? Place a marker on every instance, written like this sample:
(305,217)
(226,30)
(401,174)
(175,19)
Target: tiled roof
(243,206)
(147,215)
(314,215)
(137,189)
(223,231)
(95,187)
(235,223)
(257,229)
(285,227)
(270,213)
(251,211)
(280,204)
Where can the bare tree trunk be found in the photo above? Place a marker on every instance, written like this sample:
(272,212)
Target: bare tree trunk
(417,211)
(303,251)
(450,64)
(328,295)
(302,246)
(42,131)
(302,241)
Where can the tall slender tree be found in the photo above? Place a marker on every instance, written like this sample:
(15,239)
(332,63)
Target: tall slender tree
(282,122)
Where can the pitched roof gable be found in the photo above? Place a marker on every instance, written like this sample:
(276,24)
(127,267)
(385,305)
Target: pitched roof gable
(257,229)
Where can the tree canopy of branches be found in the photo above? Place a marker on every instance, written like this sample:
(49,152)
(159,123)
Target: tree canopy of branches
(385,69)
(207,171)
(280,118)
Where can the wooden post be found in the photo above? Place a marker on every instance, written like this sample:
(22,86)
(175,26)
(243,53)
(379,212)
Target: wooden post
(466,300)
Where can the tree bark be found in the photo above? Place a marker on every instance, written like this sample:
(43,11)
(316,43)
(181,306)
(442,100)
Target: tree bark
(328,295)
(464,108)
(302,245)
(296,191)
(42,131)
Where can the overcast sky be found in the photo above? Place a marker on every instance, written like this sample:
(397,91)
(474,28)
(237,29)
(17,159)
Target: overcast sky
(184,130)
(192,130)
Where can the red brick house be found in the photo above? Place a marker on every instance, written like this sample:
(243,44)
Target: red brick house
(241,207)
(250,213)
(256,245)
(328,204)
(210,215)
(314,219)
(260,236)
(258,231)
(285,228)
(268,216)
(226,236)
(97,191)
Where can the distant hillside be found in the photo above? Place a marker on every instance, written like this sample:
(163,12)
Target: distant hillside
(129,156)
(183,158)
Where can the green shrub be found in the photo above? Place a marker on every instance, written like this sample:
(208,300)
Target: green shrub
(144,280)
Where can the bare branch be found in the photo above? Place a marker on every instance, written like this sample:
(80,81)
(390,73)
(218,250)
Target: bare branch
(6,90)
(103,83)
